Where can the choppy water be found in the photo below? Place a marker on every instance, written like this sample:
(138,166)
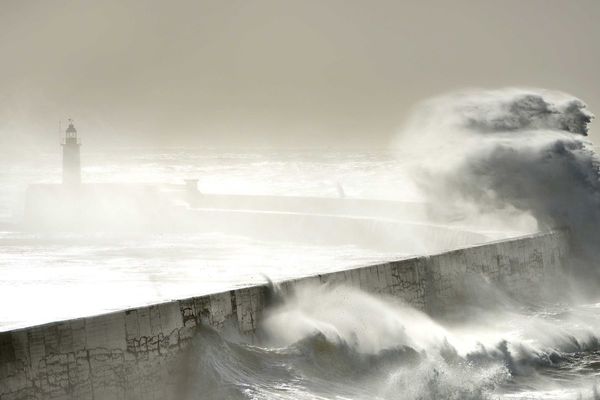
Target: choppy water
(338,343)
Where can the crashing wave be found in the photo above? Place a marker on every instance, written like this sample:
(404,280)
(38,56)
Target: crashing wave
(480,361)
(513,149)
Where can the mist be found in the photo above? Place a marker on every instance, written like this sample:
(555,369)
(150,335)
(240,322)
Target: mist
(339,74)
(308,200)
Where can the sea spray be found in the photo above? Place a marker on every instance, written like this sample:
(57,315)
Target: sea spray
(345,314)
(330,342)
(509,155)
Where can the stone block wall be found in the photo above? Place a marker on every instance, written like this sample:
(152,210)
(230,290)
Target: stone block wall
(138,353)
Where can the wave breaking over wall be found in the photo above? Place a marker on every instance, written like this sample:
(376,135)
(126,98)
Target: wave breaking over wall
(509,155)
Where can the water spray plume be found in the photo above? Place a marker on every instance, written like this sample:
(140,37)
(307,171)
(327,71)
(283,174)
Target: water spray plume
(512,154)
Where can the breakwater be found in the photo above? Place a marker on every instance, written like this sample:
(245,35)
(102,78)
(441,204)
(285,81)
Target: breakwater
(376,224)
(141,353)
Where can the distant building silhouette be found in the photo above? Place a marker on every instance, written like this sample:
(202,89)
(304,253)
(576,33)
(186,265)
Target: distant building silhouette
(71,158)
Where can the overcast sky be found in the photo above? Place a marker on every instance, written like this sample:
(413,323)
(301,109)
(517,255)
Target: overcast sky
(282,73)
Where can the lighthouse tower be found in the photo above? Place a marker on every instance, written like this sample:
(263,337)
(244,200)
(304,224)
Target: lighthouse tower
(71,160)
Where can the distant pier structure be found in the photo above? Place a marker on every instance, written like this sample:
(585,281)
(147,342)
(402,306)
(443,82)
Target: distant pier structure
(71,167)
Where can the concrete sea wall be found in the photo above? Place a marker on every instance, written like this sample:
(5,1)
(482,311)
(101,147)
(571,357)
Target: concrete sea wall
(140,353)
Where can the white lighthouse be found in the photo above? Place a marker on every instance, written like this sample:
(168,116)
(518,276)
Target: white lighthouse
(71,161)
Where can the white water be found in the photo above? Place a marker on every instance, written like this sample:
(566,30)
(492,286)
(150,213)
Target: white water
(336,342)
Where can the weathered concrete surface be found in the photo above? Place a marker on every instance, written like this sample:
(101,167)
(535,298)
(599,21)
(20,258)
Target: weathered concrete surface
(138,353)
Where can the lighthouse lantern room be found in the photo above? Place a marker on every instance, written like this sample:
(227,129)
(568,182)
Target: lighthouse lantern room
(71,159)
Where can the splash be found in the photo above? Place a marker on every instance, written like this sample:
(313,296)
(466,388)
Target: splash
(508,156)
(332,342)
(347,315)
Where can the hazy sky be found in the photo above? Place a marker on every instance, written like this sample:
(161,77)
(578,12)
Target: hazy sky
(283,73)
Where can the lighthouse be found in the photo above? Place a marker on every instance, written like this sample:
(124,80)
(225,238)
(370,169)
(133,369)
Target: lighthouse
(71,161)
